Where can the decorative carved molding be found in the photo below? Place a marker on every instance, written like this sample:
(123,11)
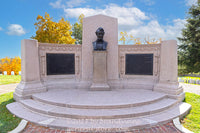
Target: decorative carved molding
(137,49)
(59,48)
(77,64)
(144,47)
(43,60)
(122,61)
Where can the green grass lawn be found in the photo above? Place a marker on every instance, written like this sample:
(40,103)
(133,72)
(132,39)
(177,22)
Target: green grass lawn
(188,77)
(192,120)
(7,120)
(9,79)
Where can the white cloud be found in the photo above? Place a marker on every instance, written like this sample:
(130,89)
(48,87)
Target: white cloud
(190,2)
(175,29)
(154,30)
(1,28)
(74,3)
(129,3)
(133,20)
(15,29)
(57,4)
(126,16)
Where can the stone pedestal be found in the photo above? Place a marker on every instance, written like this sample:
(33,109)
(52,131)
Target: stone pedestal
(99,71)
(168,79)
(30,77)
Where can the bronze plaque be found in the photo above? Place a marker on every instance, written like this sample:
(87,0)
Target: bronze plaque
(139,64)
(60,64)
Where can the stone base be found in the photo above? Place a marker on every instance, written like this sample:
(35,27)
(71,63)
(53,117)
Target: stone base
(84,85)
(61,84)
(100,87)
(25,89)
(94,111)
(100,72)
(171,89)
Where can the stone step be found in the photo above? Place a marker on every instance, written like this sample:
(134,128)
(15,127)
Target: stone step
(84,99)
(91,125)
(76,113)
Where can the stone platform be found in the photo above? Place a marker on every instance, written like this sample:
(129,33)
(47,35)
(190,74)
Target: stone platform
(83,110)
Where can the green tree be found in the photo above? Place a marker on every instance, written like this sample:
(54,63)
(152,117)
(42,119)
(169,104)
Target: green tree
(77,30)
(189,49)
(49,31)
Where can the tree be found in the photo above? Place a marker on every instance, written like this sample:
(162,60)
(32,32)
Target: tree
(189,49)
(6,65)
(10,64)
(77,29)
(125,38)
(49,31)
(16,65)
(152,41)
(1,70)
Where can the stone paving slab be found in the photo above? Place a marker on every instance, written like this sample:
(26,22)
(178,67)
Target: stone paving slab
(164,128)
(98,99)
(93,124)
(7,88)
(98,113)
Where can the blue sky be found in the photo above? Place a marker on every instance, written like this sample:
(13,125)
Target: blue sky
(141,18)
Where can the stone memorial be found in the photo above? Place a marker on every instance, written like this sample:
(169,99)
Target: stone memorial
(5,73)
(99,85)
(12,73)
(197,81)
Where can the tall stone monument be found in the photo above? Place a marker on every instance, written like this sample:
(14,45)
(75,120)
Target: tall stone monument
(110,26)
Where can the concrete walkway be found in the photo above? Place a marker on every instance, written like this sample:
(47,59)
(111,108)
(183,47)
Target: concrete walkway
(191,88)
(7,88)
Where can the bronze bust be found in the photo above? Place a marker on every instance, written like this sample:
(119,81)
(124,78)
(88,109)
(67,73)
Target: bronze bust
(100,44)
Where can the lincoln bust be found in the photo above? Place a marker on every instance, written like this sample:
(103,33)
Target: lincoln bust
(100,44)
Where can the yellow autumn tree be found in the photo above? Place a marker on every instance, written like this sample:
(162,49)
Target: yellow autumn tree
(137,41)
(1,67)
(49,31)
(5,66)
(8,64)
(152,41)
(16,65)
(125,38)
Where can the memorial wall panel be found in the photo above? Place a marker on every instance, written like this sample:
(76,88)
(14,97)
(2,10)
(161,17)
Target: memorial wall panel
(139,64)
(60,64)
